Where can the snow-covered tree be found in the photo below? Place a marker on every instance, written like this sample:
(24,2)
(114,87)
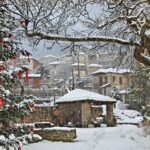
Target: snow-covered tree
(123,23)
(12,105)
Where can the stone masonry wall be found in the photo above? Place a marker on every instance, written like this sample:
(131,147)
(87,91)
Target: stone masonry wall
(41,114)
(70,112)
(86,114)
(67,135)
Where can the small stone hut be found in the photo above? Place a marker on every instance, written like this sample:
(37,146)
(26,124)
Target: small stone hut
(76,107)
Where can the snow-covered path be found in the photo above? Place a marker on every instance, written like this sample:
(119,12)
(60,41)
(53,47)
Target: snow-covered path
(125,137)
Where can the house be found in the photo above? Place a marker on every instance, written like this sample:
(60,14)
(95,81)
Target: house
(32,81)
(79,70)
(48,59)
(54,67)
(106,80)
(77,107)
(93,67)
(31,63)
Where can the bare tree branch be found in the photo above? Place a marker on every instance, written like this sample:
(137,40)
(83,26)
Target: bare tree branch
(83,39)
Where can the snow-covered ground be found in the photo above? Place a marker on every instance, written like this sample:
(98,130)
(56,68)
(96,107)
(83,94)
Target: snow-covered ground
(123,137)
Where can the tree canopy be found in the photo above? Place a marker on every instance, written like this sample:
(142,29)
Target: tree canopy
(119,22)
(12,105)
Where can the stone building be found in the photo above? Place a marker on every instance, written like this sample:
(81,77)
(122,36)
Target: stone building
(79,69)
(77,107)
(105,80)
(48,59)
(93,67)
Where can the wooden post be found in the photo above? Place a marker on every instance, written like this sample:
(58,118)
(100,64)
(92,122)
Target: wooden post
(109,113)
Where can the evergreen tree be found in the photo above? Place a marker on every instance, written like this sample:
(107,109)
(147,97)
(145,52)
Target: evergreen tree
(141,86)
(12,106)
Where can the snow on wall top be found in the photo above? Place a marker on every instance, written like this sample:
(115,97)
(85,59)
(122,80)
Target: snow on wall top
(79,95)
(112,70)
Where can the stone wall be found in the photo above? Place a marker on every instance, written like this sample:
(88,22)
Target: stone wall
(41,114)
(65,135)
(80,114)
(86,114)
(110,117)
(70,112)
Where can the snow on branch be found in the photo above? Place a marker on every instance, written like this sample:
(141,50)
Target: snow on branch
(83,39)
(145,58)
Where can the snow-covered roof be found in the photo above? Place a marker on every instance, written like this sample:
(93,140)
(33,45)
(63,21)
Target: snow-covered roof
(50,55)
(22,57)
(105,85)
(33,75)
(56,63)
(95,65)
(76,64)
(80,95)
(112,70)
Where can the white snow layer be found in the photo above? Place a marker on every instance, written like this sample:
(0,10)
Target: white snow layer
(78,64)
(112,70)
(33,75)
(124,115)
(79,95)
(57,63)
(95,65)
(123,137)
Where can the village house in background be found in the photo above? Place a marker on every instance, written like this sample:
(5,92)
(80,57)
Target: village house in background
(106,81)
(32,82)
(75,70)
(30,62)
(52,76)
(48,59)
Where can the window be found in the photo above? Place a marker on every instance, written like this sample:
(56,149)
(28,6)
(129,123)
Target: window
(104,91)
(30,82)
(120,80)
(106,79)
(114,78)
(101,81)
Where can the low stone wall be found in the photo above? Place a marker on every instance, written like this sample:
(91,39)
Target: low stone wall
(57,134)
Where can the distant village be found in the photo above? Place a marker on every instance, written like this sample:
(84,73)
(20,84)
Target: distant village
(78,90)
(52,76)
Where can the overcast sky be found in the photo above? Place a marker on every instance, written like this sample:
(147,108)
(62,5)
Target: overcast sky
(42,50)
